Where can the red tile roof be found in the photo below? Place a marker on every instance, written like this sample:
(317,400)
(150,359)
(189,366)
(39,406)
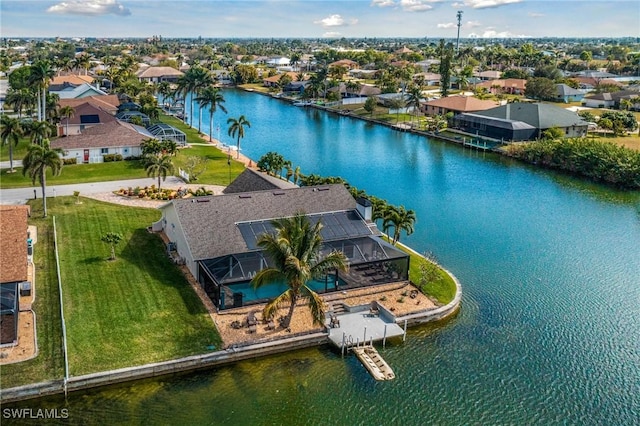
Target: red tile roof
(462,103)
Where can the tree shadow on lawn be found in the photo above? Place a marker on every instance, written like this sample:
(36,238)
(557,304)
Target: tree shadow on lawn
(95,259)
(147,252)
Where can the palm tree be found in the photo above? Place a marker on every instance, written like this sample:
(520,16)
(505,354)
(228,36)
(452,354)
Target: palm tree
(294,250)
(40,131)
(414,96)
(39,158)
(20,99)
(211,97)
(10,133)
(41,75)
(401,219)
(159,166)
(237,128)
(67,112)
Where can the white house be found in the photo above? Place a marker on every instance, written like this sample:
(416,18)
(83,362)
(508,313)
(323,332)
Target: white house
(116,137)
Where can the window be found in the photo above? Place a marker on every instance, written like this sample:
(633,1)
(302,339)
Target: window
(104,150)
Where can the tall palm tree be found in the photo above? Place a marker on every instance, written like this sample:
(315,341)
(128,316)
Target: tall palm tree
(21,99)
(414,96)
(41,75)
(236,128)
(211,97)
(294,250)
(159,166)
(401,219)
(40,131)
(10,133)
(39,158)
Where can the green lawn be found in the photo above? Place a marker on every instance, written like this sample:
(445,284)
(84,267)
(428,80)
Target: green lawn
(49,364)
(19,151)
(442,289)
(135,310)
(78,173)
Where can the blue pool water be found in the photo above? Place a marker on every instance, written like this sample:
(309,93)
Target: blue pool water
(249,293)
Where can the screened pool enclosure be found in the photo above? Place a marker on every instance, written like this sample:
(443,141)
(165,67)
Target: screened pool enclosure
(372,261)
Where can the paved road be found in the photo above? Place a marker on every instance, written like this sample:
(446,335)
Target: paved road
(6,164)
(21,195)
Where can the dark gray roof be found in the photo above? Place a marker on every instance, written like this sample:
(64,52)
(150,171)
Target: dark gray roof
(493,121)
(539,115)
(613,96)
(253,180)
(210,223)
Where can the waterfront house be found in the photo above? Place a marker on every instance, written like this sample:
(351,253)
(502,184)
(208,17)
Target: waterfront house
(456,104)
(215,237)
(346,63)
(159,74)
(117,137)
(108,103)
(253,180)
(521,121)
(14,272)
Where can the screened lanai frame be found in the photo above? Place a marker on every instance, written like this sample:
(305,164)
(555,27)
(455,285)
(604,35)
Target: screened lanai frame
(128,115)
(9,311)
(163,132)
(372,261)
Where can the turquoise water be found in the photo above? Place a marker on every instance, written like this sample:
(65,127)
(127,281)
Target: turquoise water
(548,333)
(249,293)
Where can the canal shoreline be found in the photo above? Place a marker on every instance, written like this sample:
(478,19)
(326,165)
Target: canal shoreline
(205,361)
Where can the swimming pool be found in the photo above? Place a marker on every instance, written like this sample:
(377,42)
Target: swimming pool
(250,294)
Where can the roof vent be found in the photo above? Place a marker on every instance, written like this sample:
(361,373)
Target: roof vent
(244,196)
(278,193)
(206,200)
(323,188)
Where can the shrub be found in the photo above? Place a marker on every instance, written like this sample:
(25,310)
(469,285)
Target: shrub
(108,158)
(67,161)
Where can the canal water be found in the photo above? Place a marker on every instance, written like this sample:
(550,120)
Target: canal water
(548,332)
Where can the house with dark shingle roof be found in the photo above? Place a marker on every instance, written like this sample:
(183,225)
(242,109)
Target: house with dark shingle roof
(611,99)
(253,180)
(523,116)
(116,137)
(13,258)
(216,238)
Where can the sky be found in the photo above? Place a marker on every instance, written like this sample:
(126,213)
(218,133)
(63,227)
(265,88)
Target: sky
(319,18)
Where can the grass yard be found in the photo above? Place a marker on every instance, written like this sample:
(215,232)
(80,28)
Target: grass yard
(19,151)
(135,310)
(443,289)
(218,171)
(49,364)
(78,173)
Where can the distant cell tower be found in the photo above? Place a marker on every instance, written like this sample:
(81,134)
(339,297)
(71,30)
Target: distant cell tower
(459,15)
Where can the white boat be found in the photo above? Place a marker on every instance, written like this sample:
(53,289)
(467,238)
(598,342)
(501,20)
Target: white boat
(301,103)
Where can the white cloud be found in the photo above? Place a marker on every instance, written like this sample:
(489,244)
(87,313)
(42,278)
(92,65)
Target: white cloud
(335,21)
(472,24)
(331,21)
(406,5)
(332,34)
(416,5)
(89,8)
(536,15)
(484,4)
(457,5)
(383,3)
(447,25)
